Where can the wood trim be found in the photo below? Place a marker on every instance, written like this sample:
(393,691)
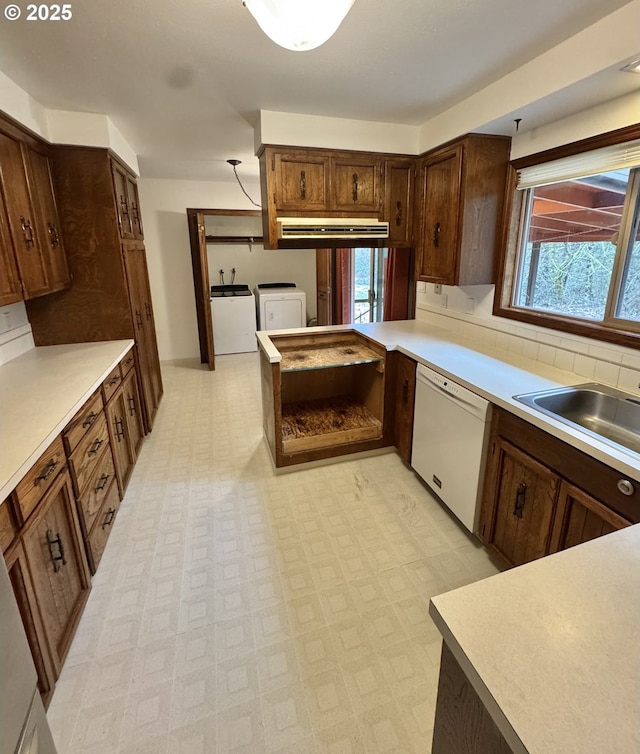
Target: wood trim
(201,286)
(628,133)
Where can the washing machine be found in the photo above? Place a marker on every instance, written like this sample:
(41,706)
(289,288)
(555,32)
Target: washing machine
(280,306)
(233,311)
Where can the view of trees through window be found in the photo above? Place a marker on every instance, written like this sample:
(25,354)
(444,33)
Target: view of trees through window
(572,242)
(368,284)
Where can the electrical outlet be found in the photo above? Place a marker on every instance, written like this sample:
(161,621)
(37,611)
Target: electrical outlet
(444,300)
(422,287)
(437,288)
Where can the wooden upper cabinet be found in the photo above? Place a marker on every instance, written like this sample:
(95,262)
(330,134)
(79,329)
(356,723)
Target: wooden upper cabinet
(461,198)
(48,221)
(356,183)
(398,201)
(301,182)
(120,190)
(10,288)
(22,218)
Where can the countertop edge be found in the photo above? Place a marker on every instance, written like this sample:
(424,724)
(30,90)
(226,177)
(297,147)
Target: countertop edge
(95,383)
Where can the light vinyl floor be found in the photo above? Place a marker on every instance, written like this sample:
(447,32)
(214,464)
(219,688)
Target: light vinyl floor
(239,611)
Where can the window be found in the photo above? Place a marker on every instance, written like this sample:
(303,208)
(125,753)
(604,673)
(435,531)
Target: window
(368,284)
(574,257)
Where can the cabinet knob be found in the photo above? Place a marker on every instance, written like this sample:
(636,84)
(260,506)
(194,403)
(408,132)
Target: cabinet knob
(625,486)
(54,238)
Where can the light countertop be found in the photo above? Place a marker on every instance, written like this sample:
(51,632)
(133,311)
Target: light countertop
(40,392)
(553,647)
(495,374)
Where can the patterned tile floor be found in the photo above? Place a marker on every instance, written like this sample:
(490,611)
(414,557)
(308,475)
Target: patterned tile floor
(239,611)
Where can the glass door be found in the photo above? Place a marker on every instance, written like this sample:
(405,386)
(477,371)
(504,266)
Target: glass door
(367,267)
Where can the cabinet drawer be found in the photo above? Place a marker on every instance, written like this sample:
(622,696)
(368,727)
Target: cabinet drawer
(7,529)
(41,476)
(96,490)
(85,457)
(97,539)
(82,421)
(111,383)
(127,363)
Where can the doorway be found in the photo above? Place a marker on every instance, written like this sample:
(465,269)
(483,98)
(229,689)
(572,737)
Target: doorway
(367,285)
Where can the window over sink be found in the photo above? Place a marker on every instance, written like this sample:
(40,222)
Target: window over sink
(572,260)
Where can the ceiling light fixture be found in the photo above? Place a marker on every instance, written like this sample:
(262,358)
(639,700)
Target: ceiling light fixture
(234,164)
(299,25)
(633,67)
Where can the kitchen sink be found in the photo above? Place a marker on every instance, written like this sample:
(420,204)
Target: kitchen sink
(601,411)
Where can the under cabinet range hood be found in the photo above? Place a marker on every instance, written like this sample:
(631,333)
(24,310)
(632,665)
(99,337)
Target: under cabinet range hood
(331,227)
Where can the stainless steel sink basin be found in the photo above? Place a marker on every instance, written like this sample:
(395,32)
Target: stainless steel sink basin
(601,411)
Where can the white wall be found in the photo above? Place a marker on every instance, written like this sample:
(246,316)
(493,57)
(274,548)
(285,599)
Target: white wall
(254,265)
(164,204)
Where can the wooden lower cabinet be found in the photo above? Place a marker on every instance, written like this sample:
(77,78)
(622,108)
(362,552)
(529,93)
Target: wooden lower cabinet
(400,401)
(133,407)
(526,494)
(462,723)
(96,541)
(541,495)
(25,594)
(58,567)
(123,455)
(580,518)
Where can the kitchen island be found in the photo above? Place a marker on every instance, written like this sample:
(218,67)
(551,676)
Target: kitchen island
(544,658)
(494,374)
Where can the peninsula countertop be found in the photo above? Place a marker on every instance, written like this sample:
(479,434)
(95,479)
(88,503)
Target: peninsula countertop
(552,648)
(492,373)
(40,392)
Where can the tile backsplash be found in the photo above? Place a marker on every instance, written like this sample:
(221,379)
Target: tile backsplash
(15,332)
(467,311)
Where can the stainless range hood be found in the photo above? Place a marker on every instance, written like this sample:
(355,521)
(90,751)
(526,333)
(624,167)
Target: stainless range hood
(331,227)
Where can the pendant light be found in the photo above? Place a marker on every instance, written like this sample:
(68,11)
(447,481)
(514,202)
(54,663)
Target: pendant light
(299,25)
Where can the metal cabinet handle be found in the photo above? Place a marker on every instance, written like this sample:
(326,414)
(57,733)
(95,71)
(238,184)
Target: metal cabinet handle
(626,487)
(147,309)
(436,235)
(95,447)
(521,499)
(354,187)
(398,213)
(132,405)
(108,517)
(46,472)
(58,559)
(138,319)
(124,206)
(54,238)
(135,212)
(27,231)
(119,428)
(90,419)
(102,482)
(405,391)
(303,184)
(114,380)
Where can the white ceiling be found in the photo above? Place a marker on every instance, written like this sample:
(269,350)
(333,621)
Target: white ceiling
(184,81)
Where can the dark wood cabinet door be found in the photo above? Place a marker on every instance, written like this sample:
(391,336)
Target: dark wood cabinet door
(10,288)
(145,334)
(526,495)
(123,458)
(135,427)
(21,217)
(58,566)
(134,208)
(399,182)
(581,518)
(440,208)
(48,222)
(23,589)
(356,184)
(404,372)
(301,182)
(120,190)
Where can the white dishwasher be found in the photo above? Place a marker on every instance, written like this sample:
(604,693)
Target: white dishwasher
(450,431)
